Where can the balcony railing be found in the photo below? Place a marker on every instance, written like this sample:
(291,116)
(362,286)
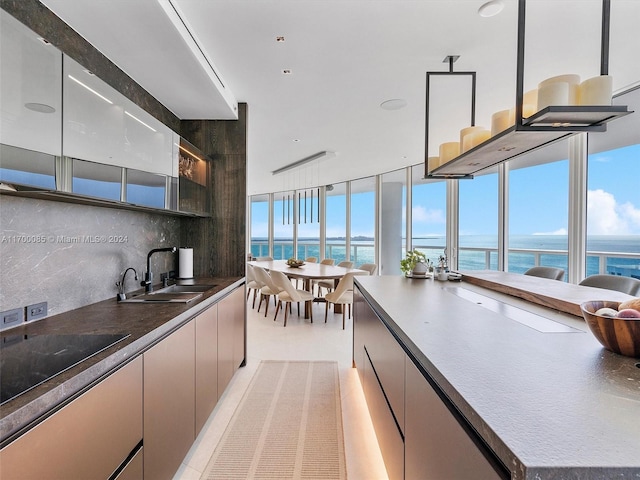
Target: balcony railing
(470,258)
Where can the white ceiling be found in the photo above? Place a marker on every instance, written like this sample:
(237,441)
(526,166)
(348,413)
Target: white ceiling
(346,58)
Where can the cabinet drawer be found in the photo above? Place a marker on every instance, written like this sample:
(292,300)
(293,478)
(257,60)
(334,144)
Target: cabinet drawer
(389,437)
(436,446)
(385,354)
(88,438)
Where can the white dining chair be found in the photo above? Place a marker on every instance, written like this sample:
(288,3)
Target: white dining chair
(268,289)
(289,294)
(342,295)
(329,283)
(369,267)
(252,284)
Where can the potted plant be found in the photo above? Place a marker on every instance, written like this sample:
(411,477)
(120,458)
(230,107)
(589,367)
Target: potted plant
(412,259)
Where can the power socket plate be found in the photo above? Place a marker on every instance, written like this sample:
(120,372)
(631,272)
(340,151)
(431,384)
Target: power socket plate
(11,318)
(36,311)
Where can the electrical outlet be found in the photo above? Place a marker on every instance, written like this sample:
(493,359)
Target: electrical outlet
(36,311)
(11,318)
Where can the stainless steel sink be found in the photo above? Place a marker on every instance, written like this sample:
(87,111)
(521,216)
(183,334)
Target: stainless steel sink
(184,288)
(170,294)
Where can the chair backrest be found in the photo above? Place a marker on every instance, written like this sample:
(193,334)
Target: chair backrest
(344,285)
(627,285)
(546,272)
(284,284)
(263,277)
(311,259)
(327,261)
(250,275)
(346,264)
(264,259)
(369,267)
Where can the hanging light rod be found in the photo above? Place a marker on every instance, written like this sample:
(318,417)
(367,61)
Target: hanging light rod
(316,156)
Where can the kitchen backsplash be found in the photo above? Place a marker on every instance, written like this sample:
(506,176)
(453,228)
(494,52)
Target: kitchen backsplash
(72,255)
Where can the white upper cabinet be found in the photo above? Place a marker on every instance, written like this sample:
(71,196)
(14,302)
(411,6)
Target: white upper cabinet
(30,89)
(102,125)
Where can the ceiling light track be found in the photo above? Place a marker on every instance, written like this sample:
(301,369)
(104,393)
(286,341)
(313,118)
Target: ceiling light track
(316,156)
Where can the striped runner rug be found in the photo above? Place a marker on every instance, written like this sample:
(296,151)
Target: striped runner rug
(288,425)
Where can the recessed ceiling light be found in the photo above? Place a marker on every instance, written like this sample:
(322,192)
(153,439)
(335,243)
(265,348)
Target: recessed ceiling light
(286,71)
(491,8)
(280,38)
(393,104)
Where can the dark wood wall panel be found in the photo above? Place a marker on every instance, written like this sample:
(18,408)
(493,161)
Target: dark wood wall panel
(219,241)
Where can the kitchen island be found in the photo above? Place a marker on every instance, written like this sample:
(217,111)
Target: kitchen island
(529,386)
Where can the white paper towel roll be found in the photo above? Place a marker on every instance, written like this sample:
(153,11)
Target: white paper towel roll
(185,263)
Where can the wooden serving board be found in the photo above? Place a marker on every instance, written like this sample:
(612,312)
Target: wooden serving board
(555,294)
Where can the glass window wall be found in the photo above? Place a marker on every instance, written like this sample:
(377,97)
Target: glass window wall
(613,201)
(308,224)
(363,221)
(478,223)
(539,209)
(336,222)
(428,214)
(284,217)
(260,226)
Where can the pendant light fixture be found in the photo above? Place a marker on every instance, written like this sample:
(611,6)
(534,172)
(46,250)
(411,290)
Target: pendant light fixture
(519,135)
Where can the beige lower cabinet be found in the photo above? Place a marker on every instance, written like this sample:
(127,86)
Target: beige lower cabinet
(436,446)
(231,335)
(99,435)
(91,437)
(169,402)
(206,364)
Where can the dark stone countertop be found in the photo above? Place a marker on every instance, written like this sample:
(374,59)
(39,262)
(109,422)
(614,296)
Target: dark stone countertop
(145,323)
(550,404)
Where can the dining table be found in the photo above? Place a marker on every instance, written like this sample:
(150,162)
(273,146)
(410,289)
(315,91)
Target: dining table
(308,272)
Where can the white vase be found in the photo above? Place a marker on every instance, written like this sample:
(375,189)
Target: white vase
(420,270)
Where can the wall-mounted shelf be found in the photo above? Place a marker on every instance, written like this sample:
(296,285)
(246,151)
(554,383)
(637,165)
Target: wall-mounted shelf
(544,127)
(68,197)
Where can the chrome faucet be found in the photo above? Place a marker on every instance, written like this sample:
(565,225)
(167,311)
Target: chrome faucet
(147,283)
(120,284)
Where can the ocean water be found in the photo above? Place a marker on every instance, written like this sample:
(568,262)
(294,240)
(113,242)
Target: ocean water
(480,251)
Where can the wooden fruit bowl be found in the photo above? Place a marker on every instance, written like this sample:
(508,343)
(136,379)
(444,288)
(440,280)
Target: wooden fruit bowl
(620,335)
(295,263)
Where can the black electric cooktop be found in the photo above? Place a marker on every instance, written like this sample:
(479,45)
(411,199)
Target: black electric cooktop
(26,361)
